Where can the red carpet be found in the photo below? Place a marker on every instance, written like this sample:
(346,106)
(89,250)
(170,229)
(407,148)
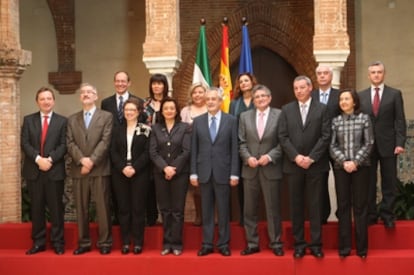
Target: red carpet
(390,252)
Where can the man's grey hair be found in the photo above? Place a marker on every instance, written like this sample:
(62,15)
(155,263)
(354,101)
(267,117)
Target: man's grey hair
(215,89)
(261,87)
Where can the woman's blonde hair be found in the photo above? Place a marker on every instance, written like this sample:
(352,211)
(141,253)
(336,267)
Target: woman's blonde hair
(191,90)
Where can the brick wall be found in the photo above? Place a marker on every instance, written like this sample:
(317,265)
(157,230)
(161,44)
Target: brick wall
(284,27)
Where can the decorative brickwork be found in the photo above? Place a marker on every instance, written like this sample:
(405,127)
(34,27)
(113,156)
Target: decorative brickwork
(13,62)
(66,80)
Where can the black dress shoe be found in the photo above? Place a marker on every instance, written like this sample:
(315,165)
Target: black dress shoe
(249,251)
(225,251)
(278,251)
(298,253)
(36,249)
(344,253)
(105,250)
(125,249)
(317,253)
(204,251)
(81,250)
(372,221)
(362,255)
(389,224)
(137,249)
(59,250)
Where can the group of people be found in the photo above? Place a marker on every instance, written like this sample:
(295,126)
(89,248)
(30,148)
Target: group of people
(144,144)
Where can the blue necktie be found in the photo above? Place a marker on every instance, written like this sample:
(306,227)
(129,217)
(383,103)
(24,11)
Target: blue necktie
(87,119)
(120,109)
(213,129)
(324,98)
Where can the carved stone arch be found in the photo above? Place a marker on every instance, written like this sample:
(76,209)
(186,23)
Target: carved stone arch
(271,26)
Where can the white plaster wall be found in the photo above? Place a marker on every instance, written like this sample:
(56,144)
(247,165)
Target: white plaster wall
(384,31)
(109,37)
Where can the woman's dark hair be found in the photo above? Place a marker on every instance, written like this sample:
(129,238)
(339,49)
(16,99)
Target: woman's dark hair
(173,100)
(158,78)
(136,102)
(237,92)
(355,98)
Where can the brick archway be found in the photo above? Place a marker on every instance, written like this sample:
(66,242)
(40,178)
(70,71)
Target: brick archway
(270,26)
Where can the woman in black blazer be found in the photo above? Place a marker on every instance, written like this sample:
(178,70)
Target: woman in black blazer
(130,175)
(170,144)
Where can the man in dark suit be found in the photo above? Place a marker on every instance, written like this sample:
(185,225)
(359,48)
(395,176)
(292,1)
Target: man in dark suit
(43,140)
(385,106)
(304,132)
(262,170)
(328,96)
(88,140)
(114,103)
(214,167)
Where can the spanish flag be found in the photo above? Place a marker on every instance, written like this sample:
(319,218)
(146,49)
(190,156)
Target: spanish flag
(225,77)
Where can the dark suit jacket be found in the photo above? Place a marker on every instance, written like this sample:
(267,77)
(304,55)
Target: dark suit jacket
(252,146)
(109,104)
(333,102)
(219,159)
(93,142)
(389,125)
(139,150)
(311,139)
(171,149)
(54,147)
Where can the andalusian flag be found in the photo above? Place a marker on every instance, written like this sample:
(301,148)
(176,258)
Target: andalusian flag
(225,77)
(245,65)
(201,72)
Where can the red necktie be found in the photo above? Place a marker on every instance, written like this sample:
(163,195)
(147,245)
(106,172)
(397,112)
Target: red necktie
(44,132)
(376,102)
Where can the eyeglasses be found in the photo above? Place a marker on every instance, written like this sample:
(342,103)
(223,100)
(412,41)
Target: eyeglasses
(261,96)
(82,92)
(130,110)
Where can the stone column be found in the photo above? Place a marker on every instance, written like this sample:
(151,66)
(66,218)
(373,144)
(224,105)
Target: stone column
(13,62)
(331,40)
(162,47)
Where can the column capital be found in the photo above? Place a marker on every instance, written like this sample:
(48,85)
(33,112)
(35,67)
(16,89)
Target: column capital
(166,65)
(13,62)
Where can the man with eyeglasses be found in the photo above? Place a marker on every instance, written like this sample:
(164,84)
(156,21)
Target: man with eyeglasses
(115,104)
(261,157)
(88,138)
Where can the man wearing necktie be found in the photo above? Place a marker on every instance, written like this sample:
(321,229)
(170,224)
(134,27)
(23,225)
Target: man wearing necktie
(43,140)
(385,106)
(327,95)
(305,162)
(88,147)
(114,104)
(261,154)
(214,167)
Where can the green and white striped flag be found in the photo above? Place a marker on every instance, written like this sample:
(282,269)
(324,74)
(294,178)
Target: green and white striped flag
(201,72)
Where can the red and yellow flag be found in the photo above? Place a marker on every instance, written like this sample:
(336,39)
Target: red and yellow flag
(225,77)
